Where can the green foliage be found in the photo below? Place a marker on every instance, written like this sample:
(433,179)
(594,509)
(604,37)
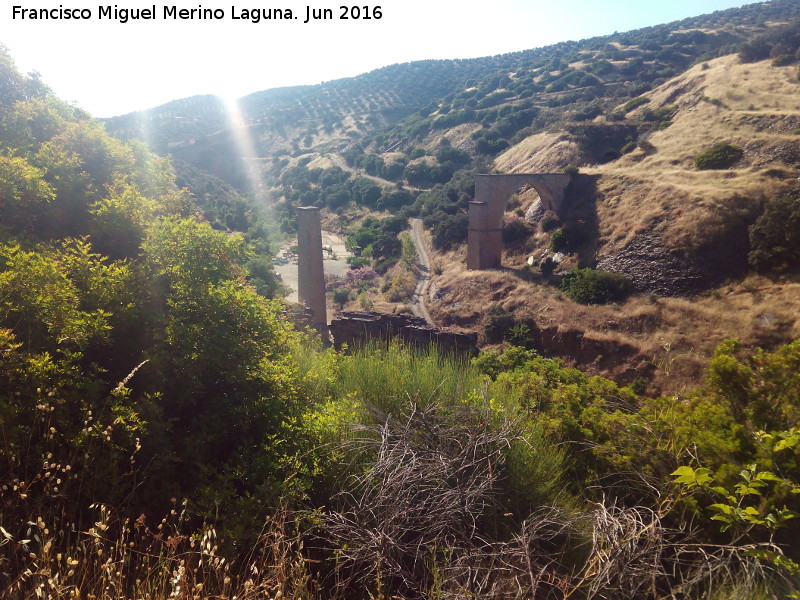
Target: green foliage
(498,323)
(261,276)
(119,221)
(448,154)
(25,194)
(356,262)
(659,118)
(520,335)
(780,43)
(635,103)
(719,156)
(341,296)
(409,251)
(515,229)
(559,240)
(378,239)
(57,298)
(595,286)
(388,378)
(762,389)
(549,221)
(775,237)
(754,502)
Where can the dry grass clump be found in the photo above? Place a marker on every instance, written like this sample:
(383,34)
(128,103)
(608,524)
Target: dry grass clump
(414,524)
(116,559)
(54,546)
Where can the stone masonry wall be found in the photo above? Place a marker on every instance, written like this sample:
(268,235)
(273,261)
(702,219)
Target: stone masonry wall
(357,328)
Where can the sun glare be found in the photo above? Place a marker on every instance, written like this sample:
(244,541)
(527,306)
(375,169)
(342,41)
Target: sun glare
(245,147)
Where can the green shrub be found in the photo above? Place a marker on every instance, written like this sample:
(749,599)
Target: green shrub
(356,262)
(515,229)
(571,170)
(775,237)
(719,156)
(550,221)
(520,335)
(499,322)
(595,286)
(559,241)
(658,118)
(341,296)
(635,103)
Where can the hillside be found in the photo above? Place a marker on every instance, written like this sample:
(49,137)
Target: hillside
(633,110)
(673,228)
(395,105)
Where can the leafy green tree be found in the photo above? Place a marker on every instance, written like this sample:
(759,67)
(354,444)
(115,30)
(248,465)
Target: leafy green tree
(24,195)
(30,123)
(560,240)
(365,192)
(409,251)
(499,323)
(55,299)
(762,389)
(119,221)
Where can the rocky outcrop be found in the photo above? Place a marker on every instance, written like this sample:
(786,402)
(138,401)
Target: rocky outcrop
(353,328)
(654,268)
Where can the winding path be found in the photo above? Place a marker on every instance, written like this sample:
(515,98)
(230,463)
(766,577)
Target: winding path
(418,305)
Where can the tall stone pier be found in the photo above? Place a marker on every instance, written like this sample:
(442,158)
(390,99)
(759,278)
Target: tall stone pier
(310,275)
(484,238)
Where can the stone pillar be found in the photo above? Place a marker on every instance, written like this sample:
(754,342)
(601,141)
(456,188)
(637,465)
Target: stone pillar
(484,238)
(310,275)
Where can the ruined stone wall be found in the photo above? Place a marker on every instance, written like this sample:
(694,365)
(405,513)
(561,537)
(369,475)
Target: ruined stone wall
(357,328)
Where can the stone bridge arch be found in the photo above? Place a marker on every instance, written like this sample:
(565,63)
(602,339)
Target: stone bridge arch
(484,238)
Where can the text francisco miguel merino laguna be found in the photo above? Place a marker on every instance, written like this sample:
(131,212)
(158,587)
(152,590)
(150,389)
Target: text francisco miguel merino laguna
(254,15)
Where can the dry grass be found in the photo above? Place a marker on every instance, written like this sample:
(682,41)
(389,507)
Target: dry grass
(135,559)
(678,335)
(321,162)
(540,153)
(459,136)
(729,102)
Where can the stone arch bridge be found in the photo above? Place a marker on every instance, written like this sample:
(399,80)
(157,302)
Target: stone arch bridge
(484,238)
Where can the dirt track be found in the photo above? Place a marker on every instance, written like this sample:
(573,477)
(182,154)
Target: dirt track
(418,299)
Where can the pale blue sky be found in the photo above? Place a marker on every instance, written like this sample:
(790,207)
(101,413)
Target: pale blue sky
(110,68)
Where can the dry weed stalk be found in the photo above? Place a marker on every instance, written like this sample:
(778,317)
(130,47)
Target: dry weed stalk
(419,523)
(433,478)
(115,560)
